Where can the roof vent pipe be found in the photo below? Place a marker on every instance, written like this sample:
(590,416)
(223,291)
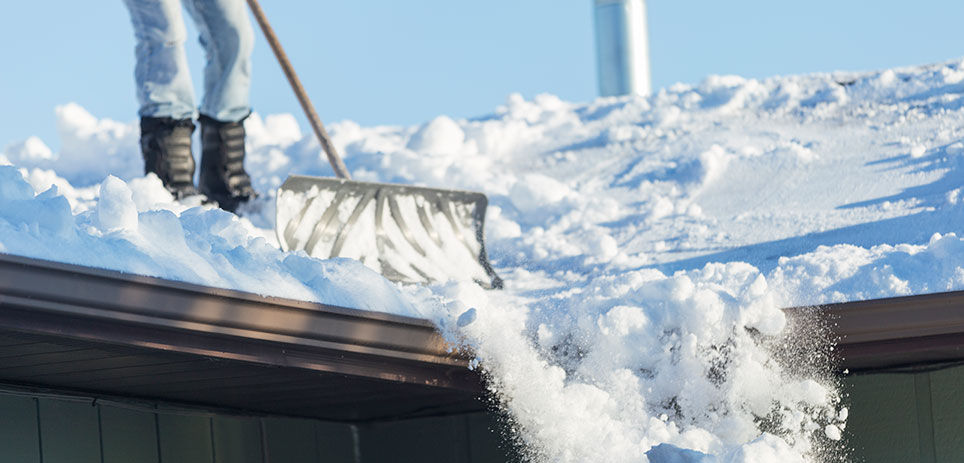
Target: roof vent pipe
(622,47)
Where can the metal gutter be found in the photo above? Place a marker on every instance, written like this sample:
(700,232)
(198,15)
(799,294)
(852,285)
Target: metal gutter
(105,332)
(111,307)
(894,332)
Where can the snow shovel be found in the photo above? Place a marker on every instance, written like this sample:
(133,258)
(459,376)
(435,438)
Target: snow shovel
(409,234)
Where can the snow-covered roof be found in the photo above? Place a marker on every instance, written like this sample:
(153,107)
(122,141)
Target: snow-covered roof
(647,244)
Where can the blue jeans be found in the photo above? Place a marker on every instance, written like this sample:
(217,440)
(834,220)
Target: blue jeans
(164,86)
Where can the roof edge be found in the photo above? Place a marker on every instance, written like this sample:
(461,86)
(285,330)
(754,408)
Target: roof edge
(893,332)
(145,312)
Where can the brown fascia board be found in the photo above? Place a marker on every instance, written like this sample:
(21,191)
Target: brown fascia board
(894,332)
(111,307)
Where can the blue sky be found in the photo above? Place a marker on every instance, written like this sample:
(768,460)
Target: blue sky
(404,62)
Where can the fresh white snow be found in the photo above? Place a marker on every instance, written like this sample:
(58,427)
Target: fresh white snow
(647,244)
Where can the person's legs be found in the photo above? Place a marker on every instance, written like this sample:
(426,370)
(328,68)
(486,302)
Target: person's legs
(165,93)
(161,73)
(227,38)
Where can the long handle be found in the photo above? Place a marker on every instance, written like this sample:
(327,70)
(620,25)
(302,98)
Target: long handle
(336,163)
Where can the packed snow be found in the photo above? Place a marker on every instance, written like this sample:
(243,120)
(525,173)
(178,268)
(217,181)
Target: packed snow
(647,244)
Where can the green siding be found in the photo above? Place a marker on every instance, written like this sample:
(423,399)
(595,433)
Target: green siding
(469,438)
(336,442)
(947,387)
(900,417)
(882,426)
(66,430)
(69,432)
(19,439)
(237,440)
(128,436)
(185,439)
(925,418)
(486,440)
(426,439)
(291,440)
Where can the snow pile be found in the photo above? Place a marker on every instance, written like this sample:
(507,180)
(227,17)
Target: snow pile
(128,231)
(647,244)
(607,371)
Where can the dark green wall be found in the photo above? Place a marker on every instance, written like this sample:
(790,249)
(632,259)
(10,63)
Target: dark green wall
(894,417)
(48,429)
(909,416)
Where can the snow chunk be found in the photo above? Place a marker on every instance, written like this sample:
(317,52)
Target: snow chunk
(115,208)
(12,185)
(833,432)
(765,449)
(667,453)
(536,195)
(917,151)
(148,192)
(440,135)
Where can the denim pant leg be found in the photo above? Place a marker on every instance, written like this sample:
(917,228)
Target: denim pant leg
(161,74)
(227,38)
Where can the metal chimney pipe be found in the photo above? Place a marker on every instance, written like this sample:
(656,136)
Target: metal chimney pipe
(622,47)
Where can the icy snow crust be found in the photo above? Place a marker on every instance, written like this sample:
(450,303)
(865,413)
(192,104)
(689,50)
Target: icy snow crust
(647,245)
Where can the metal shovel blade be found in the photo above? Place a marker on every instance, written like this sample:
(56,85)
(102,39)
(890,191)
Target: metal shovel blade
(408,234)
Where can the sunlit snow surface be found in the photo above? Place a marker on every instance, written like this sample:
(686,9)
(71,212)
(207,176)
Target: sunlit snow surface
(647,244)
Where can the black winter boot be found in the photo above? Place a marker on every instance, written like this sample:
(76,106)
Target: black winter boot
(223,178)
(166,147)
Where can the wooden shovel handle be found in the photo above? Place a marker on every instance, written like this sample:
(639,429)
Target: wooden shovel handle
(336,163)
